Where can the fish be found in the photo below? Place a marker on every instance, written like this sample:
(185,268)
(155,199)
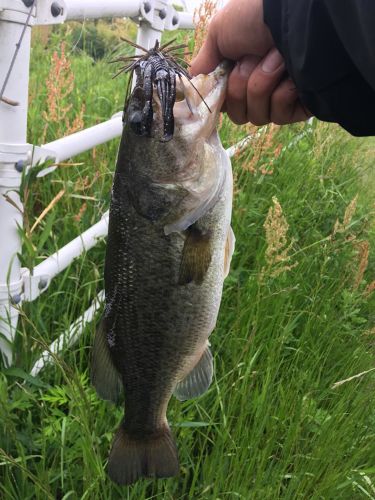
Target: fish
(168,252)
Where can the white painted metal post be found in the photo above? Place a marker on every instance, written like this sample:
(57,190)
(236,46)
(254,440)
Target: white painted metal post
(13,150)
(157,15)
(146,36)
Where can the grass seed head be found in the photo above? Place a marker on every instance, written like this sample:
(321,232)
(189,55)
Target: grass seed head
(369,289)
(202,17)
(265,149)
(278,249)
(60,86)
(363,248)
(342,227)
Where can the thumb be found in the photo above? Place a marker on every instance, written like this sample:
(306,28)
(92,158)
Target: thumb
(208,57)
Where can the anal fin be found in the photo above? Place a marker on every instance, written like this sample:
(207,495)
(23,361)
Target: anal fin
(198,380)
(104,376)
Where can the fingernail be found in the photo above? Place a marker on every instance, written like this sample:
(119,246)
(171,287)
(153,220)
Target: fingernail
(273,61)
(246,67)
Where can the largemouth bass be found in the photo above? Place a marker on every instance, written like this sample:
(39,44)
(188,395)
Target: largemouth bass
(168,252)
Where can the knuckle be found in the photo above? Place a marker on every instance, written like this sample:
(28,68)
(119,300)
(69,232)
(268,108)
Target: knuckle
(234,90)
(259,86)
(255,89)
(258,113)
(278,120)
(237,119)
(214,24)
(279,110)
(258,122)
(280,115)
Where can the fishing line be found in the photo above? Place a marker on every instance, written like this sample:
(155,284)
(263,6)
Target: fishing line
(11,66)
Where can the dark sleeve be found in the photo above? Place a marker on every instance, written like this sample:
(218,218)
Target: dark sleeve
(329,49)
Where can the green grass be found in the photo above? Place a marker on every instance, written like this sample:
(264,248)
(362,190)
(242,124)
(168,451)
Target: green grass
(271,426)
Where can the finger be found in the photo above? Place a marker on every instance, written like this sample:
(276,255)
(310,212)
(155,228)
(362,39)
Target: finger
(262,82)
(286,106)
(209,55)
(236,98)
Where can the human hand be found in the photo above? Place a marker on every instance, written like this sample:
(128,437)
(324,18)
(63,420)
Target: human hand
(258,89)
(259,92)
(235,31)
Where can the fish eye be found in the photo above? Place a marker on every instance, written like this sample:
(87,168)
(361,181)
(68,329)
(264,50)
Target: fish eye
(135,120)
(135,117)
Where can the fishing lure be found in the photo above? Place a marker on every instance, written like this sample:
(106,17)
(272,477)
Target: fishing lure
(157,67)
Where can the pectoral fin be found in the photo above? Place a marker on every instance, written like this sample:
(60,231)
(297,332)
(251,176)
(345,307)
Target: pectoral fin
(198,380)
(229,249)
(104,376)
(196,256)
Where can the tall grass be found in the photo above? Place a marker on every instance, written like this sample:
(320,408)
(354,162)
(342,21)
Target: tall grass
(296,318)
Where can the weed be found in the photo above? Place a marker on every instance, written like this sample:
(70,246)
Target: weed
(202,16)
(60,86)
(278,249)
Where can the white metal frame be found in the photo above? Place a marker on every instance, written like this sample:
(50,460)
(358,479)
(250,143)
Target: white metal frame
(16,284)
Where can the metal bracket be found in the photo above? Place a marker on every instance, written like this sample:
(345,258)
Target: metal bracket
(50,12)
(159,14)
(33,286)
(39,154)
(11,153)
(15,11)
(13,158)
(11,293)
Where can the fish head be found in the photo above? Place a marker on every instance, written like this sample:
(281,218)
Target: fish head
(180,172)
(197,105)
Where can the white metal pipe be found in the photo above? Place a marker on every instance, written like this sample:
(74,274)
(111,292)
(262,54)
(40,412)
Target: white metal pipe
(77,143)
(61,259)
(13,148)
(146,37)
(186,21)
(70,337)
(95,9)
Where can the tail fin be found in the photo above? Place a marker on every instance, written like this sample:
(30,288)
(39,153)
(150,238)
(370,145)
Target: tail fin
(132,458)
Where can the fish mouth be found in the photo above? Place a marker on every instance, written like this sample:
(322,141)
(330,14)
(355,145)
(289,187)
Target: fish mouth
(198,102)
(202,97)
